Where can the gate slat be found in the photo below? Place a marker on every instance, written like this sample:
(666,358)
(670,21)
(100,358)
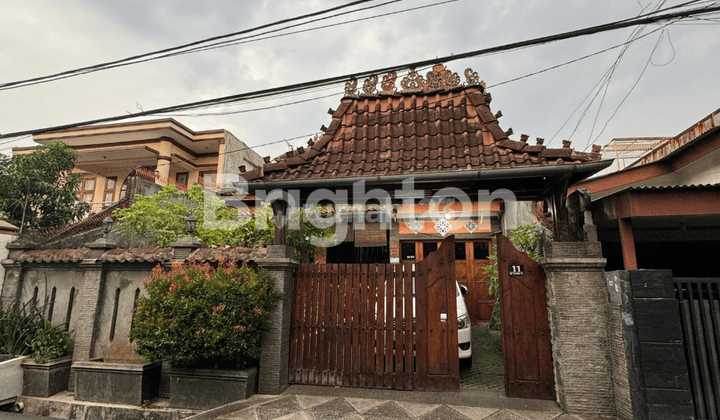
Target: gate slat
(686,316)
(357,297)
(408,325)
(347,325)
(421,333)
(398,375)
(700,344)
(390,320)
(322,348)
(705,305)
(336,300)
(380,331)
(296,335)
(309,323)
(363,315)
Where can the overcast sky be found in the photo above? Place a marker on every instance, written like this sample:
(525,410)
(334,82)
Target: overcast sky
(41,37)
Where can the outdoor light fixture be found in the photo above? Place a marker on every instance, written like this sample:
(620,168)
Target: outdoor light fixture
(107,225)
(190,224)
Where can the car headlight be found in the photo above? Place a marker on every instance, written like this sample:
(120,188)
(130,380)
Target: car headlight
(464,322)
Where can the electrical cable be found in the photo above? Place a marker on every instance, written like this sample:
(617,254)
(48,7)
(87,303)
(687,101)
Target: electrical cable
(84,70)
(338,79)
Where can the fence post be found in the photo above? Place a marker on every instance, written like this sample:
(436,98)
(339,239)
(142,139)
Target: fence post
(577,299)
(275,350)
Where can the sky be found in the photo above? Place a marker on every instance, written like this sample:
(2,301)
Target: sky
(673,71)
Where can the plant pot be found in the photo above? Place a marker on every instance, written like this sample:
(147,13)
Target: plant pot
(11,377)
(118,383)
(47,379)
(203,389)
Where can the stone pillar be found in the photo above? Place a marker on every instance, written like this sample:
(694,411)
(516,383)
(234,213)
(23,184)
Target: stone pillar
(577,302)
(89,301)
(275,351)
(12,284)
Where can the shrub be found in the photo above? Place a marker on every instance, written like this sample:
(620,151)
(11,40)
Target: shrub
(50,342)
(18,325)
(199,316)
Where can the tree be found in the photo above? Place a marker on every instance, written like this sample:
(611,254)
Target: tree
(38,189)
(160,219)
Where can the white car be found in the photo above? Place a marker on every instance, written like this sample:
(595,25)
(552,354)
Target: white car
(464,334)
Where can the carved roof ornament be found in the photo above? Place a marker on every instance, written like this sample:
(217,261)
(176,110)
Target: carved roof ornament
(440,78)
(413,82)
(437,79)
(351,88)
(471,77)
(369,85)
(388,83)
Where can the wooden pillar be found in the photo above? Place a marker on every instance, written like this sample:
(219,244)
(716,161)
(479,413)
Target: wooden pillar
(279,208)
(627,240)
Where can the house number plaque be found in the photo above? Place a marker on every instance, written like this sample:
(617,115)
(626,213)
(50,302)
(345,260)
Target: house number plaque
(517,270)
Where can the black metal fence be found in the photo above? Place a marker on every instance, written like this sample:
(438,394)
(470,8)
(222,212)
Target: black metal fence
(699,301)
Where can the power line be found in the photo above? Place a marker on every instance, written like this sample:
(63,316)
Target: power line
(654,18)
(128,60)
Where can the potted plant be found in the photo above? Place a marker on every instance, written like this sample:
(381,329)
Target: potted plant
(208,323)
(17,325)
(47,371)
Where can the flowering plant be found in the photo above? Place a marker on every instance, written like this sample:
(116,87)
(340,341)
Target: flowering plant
(201,316)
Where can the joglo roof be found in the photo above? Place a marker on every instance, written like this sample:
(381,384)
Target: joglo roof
(433,124)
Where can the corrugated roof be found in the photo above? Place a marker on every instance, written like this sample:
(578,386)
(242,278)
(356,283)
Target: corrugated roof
(434,124)
(672,187)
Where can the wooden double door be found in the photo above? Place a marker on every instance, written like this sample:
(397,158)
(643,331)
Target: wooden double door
(470,258)
(377,325)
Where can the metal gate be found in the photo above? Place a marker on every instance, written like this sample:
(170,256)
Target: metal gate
(699,301)
(525,330)
(377,325)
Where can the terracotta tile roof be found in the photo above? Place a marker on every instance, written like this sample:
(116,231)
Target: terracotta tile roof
(53,255)
(228,254)
(434,124)
(137,255)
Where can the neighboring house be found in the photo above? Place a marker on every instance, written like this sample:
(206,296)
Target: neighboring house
(663,210)
(8,232)
(443,133)
(627,151)
(166,149)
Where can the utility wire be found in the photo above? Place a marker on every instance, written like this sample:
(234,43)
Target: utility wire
(655,18)
(128,60)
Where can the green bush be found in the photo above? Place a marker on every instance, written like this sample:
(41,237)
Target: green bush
(199,316)
(50,342)
(18,325)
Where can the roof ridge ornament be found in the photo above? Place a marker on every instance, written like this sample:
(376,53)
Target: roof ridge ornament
(440,78)
(351,88)
(437,79)
(471,77)
(413,82)
(388,83)
(369,85)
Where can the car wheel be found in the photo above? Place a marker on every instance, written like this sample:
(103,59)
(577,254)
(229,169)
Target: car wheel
(466,363)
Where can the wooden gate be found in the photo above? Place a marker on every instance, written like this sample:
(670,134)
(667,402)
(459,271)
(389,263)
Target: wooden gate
(354,324)
(525,329)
